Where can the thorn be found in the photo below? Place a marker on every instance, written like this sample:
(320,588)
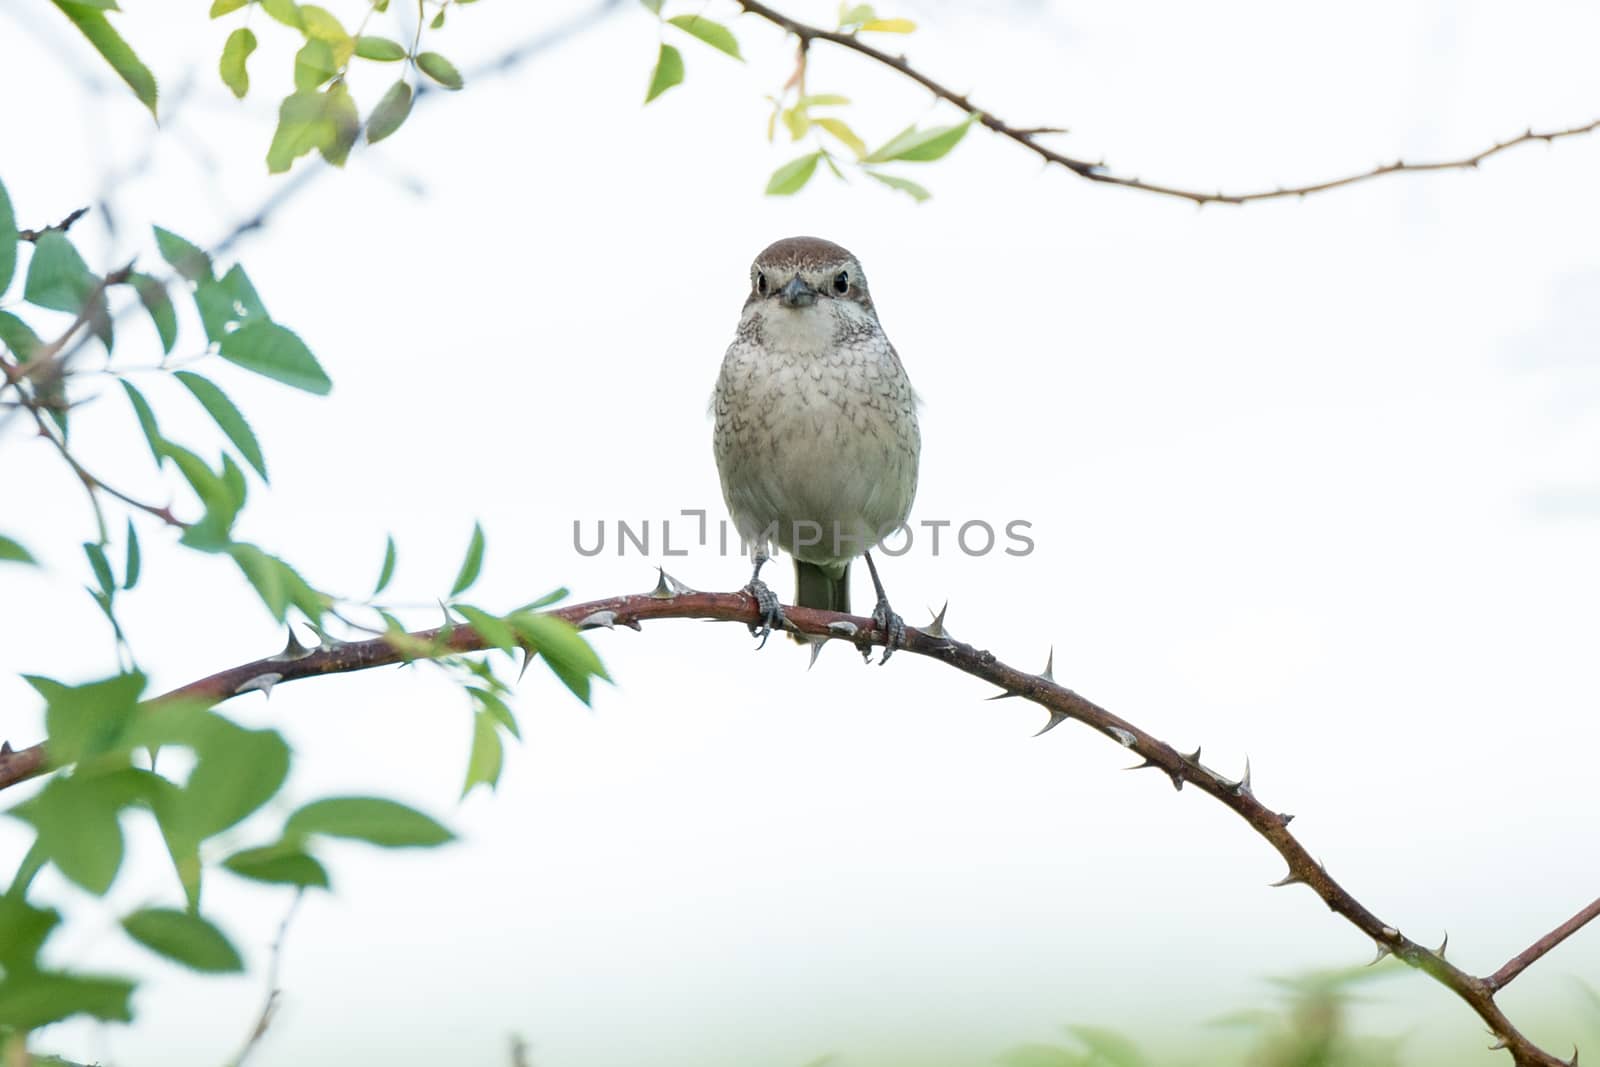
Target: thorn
(263,682)
(1574,1061)
(1445,944)
(816,650)
(1383,950)
(595,620)
(1193,757)
(294,649)
(1049,672)
(5,748)
(1284,819)
(1241,788)
(527,658)
(1499,1043)
(936,627)
(1056,719)
(667,586)
(1124,738)
(1006,695)
(1289,879)
(843,628)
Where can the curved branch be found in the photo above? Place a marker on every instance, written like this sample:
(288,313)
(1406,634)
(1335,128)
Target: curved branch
(1097,172)
(672,601)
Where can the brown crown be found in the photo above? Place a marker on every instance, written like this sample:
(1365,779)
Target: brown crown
(802,253)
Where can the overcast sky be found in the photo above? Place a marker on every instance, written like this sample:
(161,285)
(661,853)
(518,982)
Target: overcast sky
(1314,482)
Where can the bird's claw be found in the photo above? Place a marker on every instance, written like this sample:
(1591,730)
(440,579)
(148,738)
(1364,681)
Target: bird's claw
(892,626)
(771,611)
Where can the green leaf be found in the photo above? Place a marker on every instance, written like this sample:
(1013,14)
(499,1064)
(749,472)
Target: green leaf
(147,420)
(387,573)
(278,584)
(439,69)
(322,25)
(545,601)
(8,241)
(390,112)
(228,418)
(856,15)
(822,100)
(130,571)
(668,72)
(224,7)
(1108,1046)
(491,703)
(303,126)
(29,1000)
(381,49)
(221,500)
(100,566)
(11,552)
(153,295)
(284,11)
(437,21)
(346,120)
(235,51)
(494,630)
(75,818)
(280,864)
(58,278)
(845,135)
(471,564)
(247,304)
(274,351)
(922,146)
(888,26)
(184,257)
(314,64)
(372,819)
(567,653)
(18,336)
(184,938)
(654,6)
(90,719)
(905,185)
(23,931)
(712,33)
(793,175)
(487,755)
(92,22)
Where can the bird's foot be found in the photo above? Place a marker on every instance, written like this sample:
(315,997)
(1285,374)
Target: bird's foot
(771,611)
(892,626)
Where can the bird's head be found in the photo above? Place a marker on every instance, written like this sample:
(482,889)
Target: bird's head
(802,272)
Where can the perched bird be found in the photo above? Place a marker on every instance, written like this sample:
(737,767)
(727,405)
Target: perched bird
(816,428)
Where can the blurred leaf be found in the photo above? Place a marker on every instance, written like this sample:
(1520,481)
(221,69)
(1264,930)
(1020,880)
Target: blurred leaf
(494,630)
(381,49)
(235,51)
(545,601)
(130,572)
(888,26)
(18,336)
(184,257)
(58,278)
(89,719)
(274,351)
(712,33)
(280,864)
(1108,1045)
(437,21)
(320,24)
(439,69)
(797,121)
(1041,1056)
(844,134)
(153,295)
(303,126)
(471,564)
(314,64)
(278,584)
(248,304)
(8,240)
(654,6)
(147,420)
(487,755)
(92,22)
(100,566)
(285,11)
(372,819)
(11,552)
(390,112)
(905,185)
(668,72)
(23,931)
(568,654)
(185,938)
(491,703)
(387,573)
(346,120)
(224,7)
(793,175)
(29,1000)
(227,417)
(75,818)
(922,146)
(822,100)
(236,771)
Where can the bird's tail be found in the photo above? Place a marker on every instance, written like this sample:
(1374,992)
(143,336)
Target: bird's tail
(814,587)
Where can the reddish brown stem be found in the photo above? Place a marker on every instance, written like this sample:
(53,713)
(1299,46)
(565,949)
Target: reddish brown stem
(1519,963)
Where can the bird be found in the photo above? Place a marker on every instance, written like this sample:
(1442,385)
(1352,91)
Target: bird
(816,436)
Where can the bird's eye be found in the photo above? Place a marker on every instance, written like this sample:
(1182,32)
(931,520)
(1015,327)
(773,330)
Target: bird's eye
(761,283)
(841,282)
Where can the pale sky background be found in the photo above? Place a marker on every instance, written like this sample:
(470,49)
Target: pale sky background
(1315,482)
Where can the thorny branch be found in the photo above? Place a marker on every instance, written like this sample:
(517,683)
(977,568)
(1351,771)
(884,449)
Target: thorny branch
(671,600)
(1098,172)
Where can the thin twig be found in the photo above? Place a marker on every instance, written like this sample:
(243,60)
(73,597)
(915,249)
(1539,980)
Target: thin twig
(1519,963)
(61,227)
(269,1007)
(671,602)
(1097,172)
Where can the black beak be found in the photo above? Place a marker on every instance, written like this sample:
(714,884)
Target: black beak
(797,294)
